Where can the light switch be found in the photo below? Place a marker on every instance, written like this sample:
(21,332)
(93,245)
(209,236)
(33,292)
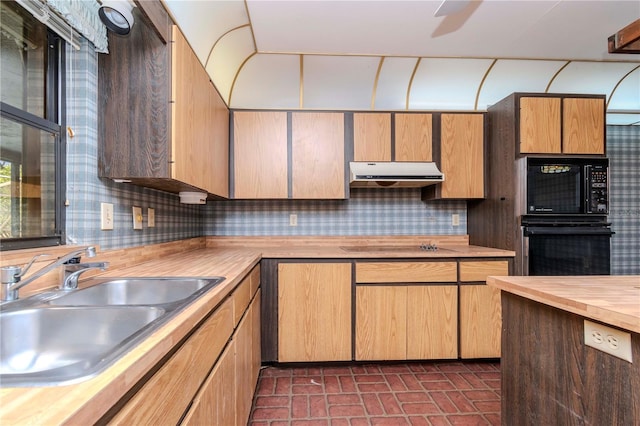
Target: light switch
(106,216)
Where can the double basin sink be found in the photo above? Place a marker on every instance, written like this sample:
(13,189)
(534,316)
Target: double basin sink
(64,337)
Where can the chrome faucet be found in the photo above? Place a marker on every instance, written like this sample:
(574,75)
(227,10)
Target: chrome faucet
(73,271)
(11,276)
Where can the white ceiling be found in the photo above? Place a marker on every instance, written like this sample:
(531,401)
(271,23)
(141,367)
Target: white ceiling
(395,55)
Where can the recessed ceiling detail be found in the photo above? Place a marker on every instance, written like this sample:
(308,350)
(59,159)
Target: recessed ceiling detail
(395,55)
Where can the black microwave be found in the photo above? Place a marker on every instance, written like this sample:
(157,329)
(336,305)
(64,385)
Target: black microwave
(571,186)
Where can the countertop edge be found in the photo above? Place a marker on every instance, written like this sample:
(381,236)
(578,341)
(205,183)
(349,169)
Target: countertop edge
(517,285)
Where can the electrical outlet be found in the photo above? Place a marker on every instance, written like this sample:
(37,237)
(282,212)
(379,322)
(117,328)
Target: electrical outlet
(137,217)
(606,339)
(151,217)
(106,216)
(293,220)
(455,220)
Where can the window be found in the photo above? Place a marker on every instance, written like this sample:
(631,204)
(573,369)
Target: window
(32,144)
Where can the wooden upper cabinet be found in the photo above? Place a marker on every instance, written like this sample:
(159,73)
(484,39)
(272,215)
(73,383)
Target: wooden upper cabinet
(540,125)
(164,125)
(562,125)
(199,132)
(583,130)
(372,136)
(260,154)
(317,152)
(413,137)
(461,156)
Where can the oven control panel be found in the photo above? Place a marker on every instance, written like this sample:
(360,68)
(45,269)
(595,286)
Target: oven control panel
(597,189)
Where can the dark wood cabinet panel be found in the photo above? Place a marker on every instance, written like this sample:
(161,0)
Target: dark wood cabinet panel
(133,109)
(549,376)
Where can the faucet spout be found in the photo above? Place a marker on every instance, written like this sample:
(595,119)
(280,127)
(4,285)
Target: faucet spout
(72,273)
(11,276)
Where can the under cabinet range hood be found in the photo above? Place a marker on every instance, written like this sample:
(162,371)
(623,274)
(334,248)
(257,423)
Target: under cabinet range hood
(393,174)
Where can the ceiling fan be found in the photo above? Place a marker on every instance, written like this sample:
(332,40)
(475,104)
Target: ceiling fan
(456,13)
(451,7)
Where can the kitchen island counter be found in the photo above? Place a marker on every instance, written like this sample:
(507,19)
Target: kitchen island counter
(611,299)
(549,374)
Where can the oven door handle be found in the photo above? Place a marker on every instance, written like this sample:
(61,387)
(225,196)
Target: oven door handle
(528,231)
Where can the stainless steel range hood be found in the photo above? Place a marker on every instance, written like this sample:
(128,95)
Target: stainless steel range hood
(393,174)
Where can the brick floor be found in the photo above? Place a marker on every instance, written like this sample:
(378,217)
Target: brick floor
(412,394)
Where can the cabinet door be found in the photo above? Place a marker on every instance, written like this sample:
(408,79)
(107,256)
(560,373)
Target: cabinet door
(218,161)
(192,114)
(583,126)
(462,156)
(480,321)
(432,322)
(256,344)
(215,405)
(244,374)
(317,153)
(260,154)
(540,125)
(372,137)
(314,312)
(480,310)
(413,137)
(381,323)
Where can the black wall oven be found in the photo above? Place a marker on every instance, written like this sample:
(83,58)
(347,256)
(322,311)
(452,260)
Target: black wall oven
(564,226)
(579,247)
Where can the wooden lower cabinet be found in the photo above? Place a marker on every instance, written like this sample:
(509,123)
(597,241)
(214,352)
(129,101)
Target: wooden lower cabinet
(226,397)
(314,312)
(480,310)
(165,396)
(244,366)
(396,322)
(432,326)
(214,404)
(211,378)
(381,322)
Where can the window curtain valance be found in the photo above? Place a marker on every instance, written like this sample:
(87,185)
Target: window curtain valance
(82,16)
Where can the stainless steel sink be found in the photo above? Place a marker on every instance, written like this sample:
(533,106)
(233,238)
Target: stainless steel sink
(45,346)
(137,291)
(61,337)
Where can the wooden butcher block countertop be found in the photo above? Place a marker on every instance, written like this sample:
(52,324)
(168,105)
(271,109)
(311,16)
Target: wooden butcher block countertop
(339,247)
(233,258)
(611,299)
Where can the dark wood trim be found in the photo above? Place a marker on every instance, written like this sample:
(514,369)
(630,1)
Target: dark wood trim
(155,12)
(289,154)
(269,310)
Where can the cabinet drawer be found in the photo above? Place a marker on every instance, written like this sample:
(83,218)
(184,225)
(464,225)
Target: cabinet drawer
(241,297)
(254,277)
(406,272)
(479,271)
(163,399)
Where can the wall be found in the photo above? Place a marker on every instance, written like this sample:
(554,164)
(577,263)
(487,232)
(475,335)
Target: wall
(366,212)
(623,150)
(85,191)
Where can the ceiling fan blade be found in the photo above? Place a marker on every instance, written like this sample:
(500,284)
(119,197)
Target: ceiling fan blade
(451,7)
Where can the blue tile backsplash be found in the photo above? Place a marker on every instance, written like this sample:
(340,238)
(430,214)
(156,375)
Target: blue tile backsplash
(367,212)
